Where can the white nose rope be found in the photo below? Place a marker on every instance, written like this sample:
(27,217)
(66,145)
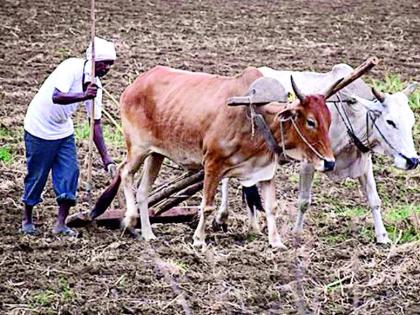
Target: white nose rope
(319,155)
(373,115)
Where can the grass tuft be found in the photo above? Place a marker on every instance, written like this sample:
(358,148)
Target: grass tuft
(402,213)
(5,155)
(111,135)
(44,298)
(351,212)
(402,223)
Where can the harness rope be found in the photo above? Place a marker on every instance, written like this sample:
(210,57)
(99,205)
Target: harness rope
(373,115)
(306,141)
(259,121)
(253,114)
(372,112)
(350,131)
(292,119)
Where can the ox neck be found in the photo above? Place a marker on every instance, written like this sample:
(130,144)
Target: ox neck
(276,136)
(268,127)
(358,124)
(259,122)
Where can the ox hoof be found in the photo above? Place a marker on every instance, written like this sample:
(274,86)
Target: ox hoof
(128,228)
(134,233)
(383,239)
(297,228)
(254,229)
(199,243)
(278,244)
(219,226)
(129,222)
(148,236)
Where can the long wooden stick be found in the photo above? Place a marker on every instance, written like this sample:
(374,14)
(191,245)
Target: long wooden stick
(176,188)
(92,117)
(182,195)
(355,74)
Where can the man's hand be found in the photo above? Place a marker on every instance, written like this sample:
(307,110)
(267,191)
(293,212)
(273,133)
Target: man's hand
(61,98)
(91,91)
(111,168)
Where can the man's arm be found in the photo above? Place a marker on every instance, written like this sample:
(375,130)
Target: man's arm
(100,144)
(61,98)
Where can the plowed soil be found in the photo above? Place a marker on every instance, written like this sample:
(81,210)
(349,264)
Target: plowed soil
(334,267)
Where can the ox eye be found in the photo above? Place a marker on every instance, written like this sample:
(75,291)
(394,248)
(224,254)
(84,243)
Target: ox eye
(390,122)
(310,123)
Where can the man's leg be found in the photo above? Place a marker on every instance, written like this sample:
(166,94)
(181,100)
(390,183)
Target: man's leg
(65,173)
(28,226)
(61,227)
(39,158)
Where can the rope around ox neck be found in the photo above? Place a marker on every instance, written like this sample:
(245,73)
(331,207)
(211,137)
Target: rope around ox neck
(319,155)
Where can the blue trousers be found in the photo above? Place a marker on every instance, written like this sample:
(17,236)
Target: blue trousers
(59,157)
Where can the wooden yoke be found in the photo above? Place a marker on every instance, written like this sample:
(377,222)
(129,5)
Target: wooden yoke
(267,90)
(261,92)
(357,73)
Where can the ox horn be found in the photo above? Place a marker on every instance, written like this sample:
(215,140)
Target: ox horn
(332,89)
(410,88)
(298,93)
(379,95)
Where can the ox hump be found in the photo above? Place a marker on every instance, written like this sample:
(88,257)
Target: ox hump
(249,75)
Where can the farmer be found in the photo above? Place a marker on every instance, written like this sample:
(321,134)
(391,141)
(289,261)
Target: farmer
(49,132)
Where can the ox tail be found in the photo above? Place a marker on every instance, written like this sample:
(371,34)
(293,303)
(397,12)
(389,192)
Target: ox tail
(252,198)
(107,196)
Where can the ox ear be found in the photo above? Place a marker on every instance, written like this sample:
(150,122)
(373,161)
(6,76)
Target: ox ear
(289,112)
(368,104)
(410,88)
(347,97)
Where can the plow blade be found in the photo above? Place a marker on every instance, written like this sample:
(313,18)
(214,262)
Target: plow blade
(112,218)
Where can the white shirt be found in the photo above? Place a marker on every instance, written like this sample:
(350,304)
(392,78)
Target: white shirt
(50,121)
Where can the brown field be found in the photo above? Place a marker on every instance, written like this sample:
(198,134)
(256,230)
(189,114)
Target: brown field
(334,268)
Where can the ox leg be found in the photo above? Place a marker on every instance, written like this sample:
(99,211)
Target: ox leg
(367,181)
(306,176)
(127,175)
(253,202)
(211,181)
(253,227)
(268,191)
(222,215)
(151,169)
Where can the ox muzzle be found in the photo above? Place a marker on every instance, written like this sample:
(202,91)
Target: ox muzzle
(411,163)
(329,165)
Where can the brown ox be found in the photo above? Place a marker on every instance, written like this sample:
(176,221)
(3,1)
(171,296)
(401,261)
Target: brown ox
(183,116)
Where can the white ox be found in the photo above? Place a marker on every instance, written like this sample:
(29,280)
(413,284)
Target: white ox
(382,122)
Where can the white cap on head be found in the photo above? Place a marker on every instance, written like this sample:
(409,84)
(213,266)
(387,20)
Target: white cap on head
(104,50)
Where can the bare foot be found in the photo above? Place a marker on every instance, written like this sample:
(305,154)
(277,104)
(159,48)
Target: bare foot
(29,229)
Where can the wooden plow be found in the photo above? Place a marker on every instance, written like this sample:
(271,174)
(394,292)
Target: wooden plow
(163,205)
(164,200)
